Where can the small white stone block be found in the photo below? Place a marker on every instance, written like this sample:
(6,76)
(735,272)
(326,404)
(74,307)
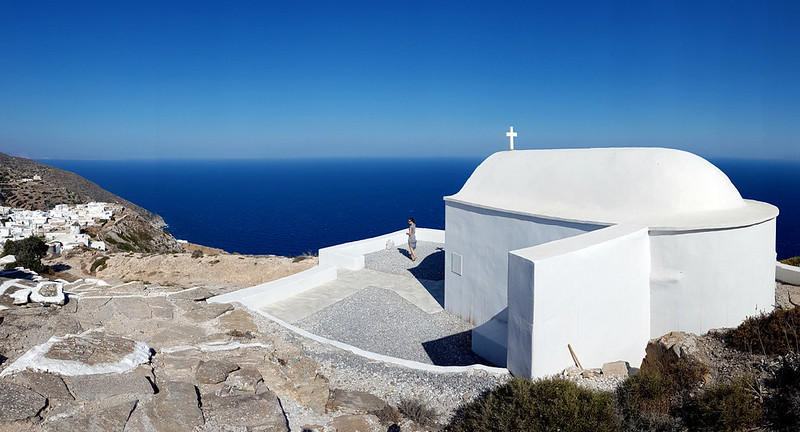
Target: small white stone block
(21,296)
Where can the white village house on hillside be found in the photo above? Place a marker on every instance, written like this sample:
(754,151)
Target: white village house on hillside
(602,249)
(60,226)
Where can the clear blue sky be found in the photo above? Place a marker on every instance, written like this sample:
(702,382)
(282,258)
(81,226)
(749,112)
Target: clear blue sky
(141,79)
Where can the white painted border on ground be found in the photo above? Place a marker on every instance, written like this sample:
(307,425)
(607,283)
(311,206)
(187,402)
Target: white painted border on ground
(35,359)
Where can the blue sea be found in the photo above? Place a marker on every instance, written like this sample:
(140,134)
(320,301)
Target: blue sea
(289,207)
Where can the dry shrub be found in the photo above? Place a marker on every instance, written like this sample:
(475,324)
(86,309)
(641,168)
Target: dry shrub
(775,333)
(541,405)
(652,400)
(303,257)
(725,407)
(783,405)
(677,373)
(643,402)
(418,412)
(387,415)
(686,372)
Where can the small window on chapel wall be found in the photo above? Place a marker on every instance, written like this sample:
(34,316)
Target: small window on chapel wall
(455,263)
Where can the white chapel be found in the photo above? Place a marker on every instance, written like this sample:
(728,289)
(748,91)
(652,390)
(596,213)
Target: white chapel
(601,249)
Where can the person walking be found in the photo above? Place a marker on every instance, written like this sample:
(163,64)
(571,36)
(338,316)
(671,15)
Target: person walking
(412,238)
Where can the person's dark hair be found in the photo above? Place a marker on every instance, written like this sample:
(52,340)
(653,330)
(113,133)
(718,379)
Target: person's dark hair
(412,220)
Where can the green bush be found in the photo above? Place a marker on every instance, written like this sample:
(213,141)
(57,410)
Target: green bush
(725,407)
(542,405)
(794,261)
(28,253)
(99,263)
(126,247)
(643,401)
(775,333)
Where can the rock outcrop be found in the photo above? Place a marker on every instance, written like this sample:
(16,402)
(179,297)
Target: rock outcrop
(679,355)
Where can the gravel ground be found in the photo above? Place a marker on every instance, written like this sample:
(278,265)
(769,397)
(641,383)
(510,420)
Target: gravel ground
(429,264)
(444,392)
(381,321)
(344,370)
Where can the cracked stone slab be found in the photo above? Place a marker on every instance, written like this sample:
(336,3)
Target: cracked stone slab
(208,312)
(132,307)
(89,304)
(160,307)
(238,320)
(178,366)
(353,423)
(214,371)
(107,416)
(48,385)
(177,334)
(198,294)
(355,401)
(91,352)
(92,348)
(255,411)
(246,379)
(18,402)
(175,408)
(70,304)
(103,386)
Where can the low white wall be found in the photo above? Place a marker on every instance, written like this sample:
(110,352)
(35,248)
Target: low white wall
(350,255)
(787,274)
(703,280)
(590,291)
(270,292)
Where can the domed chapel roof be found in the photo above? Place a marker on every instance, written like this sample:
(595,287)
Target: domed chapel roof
(655,187)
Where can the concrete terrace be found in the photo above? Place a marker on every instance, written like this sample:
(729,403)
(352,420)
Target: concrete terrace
(425,294)
(373,300)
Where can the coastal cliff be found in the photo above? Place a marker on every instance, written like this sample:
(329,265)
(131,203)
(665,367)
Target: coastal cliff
(54,186)
(31,185)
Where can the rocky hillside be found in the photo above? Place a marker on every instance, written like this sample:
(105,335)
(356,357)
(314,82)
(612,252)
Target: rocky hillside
(55,187)
(133,229)
(128,231)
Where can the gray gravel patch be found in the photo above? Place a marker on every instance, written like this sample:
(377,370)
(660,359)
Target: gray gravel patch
(429,264)
(381,321)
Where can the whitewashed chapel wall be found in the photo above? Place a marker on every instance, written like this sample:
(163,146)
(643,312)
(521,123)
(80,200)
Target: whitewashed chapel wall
(711,278)
(483,238)
(590,291)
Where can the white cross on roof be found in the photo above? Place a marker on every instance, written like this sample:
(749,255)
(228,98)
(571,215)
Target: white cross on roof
(511,134)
